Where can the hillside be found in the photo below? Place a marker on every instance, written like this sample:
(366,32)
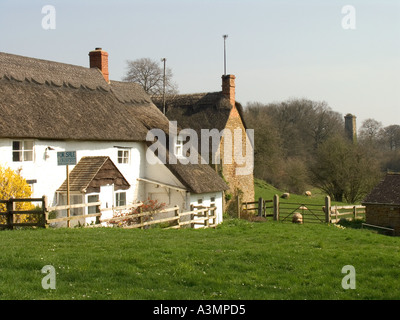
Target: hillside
(267,192)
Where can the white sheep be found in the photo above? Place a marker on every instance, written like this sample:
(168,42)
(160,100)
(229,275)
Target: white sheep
(297,218)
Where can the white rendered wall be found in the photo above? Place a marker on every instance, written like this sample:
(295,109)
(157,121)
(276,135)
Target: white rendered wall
(50,176)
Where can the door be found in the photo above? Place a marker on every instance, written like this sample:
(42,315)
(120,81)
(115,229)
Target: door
(106,197)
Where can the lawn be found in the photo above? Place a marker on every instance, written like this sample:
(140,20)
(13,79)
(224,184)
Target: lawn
(237,260)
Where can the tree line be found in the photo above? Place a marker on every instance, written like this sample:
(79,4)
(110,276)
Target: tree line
(300,144)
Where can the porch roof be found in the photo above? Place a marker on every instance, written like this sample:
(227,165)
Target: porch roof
(161,184)
(93,172)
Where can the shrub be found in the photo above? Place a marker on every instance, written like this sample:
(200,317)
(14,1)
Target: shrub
(13,185)
(149,206)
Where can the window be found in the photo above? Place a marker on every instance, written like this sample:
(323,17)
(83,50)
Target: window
(120,199)
(123,156)
(91,199)
(178,147)
(31,183)
(212,202)
(22,150)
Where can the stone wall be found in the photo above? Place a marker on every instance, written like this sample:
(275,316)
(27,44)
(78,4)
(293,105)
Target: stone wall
(383,216)
(239,184)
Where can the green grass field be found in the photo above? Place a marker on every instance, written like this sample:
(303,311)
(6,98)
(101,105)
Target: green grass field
(267,192)
(237,260)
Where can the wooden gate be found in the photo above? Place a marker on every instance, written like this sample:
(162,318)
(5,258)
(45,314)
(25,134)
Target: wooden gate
(301,213)
(285,211)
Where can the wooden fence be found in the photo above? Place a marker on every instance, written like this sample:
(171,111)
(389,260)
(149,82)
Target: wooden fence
(352,212)
(204,217)
(311,212)
(13,213)
(38,216)
(22,213)
(260,208)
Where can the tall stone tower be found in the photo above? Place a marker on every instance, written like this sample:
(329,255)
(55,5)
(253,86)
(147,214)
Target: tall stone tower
(350,127)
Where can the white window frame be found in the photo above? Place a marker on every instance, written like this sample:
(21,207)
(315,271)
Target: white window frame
(117,198)
(212,201)
(23,151)
(178,147)
(123,155)
(92,209)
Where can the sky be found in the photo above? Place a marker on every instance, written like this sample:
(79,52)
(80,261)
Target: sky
(278,50)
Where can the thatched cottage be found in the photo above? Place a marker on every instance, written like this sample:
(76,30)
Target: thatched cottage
(382,204)
(218,111)
(48,107)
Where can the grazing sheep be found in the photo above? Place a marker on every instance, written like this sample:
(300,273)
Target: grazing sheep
(297,218)
(285,195)
(308,193)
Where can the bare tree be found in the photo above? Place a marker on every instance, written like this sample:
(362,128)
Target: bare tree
(392,136)
(370,130)
(150,75)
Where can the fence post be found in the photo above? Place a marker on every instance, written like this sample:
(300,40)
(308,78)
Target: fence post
(10,214)
(214,216)
(276,207)
(177,214)
(191,215)
(239,206)
(260,206)
(327,209)
(355,212)
(207,221)
(45,211)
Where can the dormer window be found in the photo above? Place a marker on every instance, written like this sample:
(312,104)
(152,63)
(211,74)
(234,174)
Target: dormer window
(22,150)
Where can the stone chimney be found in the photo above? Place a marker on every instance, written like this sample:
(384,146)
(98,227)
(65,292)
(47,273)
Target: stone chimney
(99,59)
(350,128)
(228,87)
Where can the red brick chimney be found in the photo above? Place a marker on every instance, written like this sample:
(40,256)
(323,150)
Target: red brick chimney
(228,87)
(99,59)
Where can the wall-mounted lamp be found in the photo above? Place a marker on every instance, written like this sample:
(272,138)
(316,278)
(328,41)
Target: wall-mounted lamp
(46,152)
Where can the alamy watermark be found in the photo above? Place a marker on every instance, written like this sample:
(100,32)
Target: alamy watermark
(49,281)
(49,20)
(349,20)
(236,148)
(349,280)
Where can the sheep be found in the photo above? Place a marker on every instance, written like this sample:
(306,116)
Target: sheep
(285,195)
(297,218)
(308,193)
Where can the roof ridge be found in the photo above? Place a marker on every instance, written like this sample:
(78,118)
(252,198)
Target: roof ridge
(40,60)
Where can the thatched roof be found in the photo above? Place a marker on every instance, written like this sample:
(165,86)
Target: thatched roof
(198,111)
(49,100)
(91,173)
(386,192)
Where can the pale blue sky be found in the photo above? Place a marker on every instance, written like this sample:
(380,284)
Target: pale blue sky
(277,49)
